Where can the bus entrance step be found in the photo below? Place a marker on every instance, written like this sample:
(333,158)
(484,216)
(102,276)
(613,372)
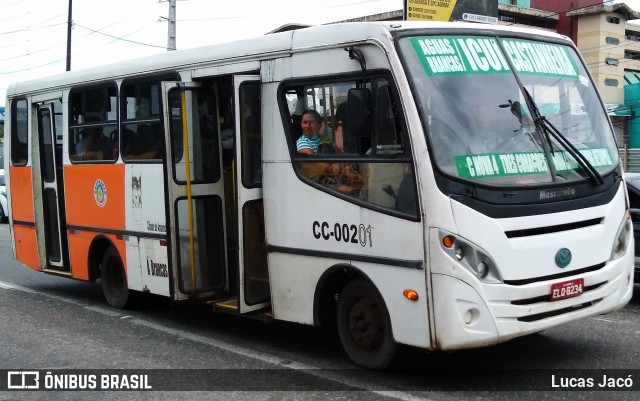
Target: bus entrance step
(230,305)
(63,273)
(227,305)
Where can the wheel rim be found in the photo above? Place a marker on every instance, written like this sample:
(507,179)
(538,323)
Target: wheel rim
(366,324)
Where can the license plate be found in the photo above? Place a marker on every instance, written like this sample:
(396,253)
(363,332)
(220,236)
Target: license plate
(567,289)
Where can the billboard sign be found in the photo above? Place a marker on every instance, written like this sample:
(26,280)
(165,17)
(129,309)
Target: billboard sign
(485,11)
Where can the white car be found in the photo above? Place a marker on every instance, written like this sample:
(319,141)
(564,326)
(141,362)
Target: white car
(4,211)
(633,188)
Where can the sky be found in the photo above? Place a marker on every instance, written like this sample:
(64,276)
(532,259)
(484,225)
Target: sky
(33,33)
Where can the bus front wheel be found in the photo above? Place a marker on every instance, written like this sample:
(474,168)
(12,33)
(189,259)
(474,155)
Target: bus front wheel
(114,280)
(364,326)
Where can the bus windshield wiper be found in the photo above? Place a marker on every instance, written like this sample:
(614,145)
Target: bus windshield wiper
(573,151)
(549,130)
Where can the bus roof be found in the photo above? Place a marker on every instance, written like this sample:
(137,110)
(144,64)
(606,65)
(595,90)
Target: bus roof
(261,47)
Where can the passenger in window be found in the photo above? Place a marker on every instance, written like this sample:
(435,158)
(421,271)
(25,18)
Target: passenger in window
(227,140)
(94,145)
(312,141)
(149,142)
(343,177)
(130,144)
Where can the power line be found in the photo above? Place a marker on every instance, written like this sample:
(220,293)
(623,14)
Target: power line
(118,37)
(601,47)
(14,17)
(31,68)
(91,32)
(31,29)
(604,63)
(87,51)
(33,52)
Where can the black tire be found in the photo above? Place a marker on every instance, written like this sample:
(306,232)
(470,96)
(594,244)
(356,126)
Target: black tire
(364,326)
(114,280)
(3,218)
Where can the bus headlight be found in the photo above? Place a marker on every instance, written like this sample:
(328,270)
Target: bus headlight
(458,252)
(622,238)
(471,256)
(482,270)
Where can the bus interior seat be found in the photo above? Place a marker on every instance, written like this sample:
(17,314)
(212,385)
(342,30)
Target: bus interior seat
(384,123)
(385,131)
(296,126)
(90,155)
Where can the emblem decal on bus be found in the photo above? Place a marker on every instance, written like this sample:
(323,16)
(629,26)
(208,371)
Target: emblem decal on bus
(100,193)
(136,192)
(563,257)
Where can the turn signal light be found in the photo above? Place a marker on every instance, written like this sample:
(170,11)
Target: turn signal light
(411,295)
(447,241)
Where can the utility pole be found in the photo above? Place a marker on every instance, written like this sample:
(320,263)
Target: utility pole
(171,32)
(69,22)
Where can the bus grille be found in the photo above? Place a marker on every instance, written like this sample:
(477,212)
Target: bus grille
(555,276)
(552,229)
(540,316)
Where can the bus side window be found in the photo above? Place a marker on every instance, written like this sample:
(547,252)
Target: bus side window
(385,124)
(251,134)
(142,128)
(364,125)
(19,132)
(93,119)
(142,142)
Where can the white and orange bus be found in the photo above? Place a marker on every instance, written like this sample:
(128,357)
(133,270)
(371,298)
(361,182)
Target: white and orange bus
(467,189)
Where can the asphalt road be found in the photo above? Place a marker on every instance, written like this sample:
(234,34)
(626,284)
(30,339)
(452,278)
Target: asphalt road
(54,324)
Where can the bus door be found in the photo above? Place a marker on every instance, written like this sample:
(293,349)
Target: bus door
(195,192)
(253,273)
(50,161)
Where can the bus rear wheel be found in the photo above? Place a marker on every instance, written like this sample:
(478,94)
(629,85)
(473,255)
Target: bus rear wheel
(364,326)
(114,280)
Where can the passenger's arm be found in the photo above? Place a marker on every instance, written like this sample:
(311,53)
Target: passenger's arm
(306,151)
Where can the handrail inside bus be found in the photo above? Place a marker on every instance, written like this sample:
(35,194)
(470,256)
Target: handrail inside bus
(185,139)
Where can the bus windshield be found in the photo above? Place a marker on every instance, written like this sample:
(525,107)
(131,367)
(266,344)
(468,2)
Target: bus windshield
(504,111)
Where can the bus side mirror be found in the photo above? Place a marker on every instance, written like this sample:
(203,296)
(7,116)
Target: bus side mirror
(357,123)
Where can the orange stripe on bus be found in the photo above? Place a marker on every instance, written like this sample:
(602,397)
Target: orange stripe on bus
(94,195)
(21,193)
(79,244)
(26,246)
